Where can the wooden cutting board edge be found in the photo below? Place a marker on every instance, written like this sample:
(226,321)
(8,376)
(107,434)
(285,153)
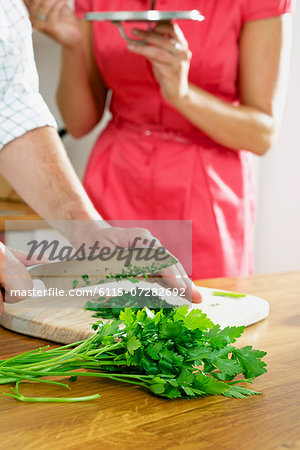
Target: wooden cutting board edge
(35,327)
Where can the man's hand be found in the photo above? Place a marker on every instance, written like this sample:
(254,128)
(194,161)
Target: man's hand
(46,180)
(13,274)
(91,231)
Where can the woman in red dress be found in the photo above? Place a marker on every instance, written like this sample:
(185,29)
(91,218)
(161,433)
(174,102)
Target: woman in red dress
(188,112)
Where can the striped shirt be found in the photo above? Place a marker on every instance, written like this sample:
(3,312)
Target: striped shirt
(22,108)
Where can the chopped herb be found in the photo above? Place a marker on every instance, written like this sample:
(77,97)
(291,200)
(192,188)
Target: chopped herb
(111,308)
(86,280)
(228,294)
(73,379)
(133,280)
(131,273)
(136,271)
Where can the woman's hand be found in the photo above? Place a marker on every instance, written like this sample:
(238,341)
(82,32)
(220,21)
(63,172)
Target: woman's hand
(169,54)
(56,20)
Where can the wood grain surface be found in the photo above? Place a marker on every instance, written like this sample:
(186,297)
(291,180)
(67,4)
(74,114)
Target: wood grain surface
(15,210)
(126,417)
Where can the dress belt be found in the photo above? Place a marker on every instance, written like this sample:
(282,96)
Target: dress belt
(153,131)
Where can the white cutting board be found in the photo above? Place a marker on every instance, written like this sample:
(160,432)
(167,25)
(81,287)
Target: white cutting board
(63,319)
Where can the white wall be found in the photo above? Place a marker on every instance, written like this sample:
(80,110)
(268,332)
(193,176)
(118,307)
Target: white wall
(278,221)
(278,173)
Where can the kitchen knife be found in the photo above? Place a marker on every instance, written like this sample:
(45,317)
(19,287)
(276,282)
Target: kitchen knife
(102,268)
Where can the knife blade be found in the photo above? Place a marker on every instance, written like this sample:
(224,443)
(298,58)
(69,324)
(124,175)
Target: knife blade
(119,264)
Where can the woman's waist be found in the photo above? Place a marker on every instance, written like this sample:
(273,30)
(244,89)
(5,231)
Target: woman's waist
(156,131)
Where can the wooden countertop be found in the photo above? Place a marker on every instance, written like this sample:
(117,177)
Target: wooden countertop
(15,210)
(127,418)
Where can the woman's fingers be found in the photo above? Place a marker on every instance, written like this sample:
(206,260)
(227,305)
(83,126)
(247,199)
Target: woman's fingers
(167,50)
(166,29)
(162,33)
(53,17)
(154,53)
(46,14)
(33,6)
(56,19)
(154,38)
(173,30)
(39,9)
(55,12)
(180,36)
(167,45)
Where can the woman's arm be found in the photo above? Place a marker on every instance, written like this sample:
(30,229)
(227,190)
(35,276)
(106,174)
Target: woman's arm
(264,52)
(264,58)
(81,93)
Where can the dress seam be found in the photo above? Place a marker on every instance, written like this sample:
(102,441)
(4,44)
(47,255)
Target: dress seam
(208,190)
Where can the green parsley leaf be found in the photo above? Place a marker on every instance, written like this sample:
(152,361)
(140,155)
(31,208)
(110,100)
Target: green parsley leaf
(250,360)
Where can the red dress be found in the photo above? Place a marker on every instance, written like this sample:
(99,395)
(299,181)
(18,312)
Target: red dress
(151,162)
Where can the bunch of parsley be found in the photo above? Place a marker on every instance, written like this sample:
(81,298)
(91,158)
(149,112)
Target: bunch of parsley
(180,354)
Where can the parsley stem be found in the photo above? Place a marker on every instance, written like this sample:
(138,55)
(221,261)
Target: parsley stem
(22,398)
(56,373)
(29,378)
(14,358)
(66,356)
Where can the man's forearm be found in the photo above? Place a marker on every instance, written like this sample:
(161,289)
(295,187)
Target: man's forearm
(37,167)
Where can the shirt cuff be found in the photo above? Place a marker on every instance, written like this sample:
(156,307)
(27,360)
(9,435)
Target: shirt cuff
(22,113)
